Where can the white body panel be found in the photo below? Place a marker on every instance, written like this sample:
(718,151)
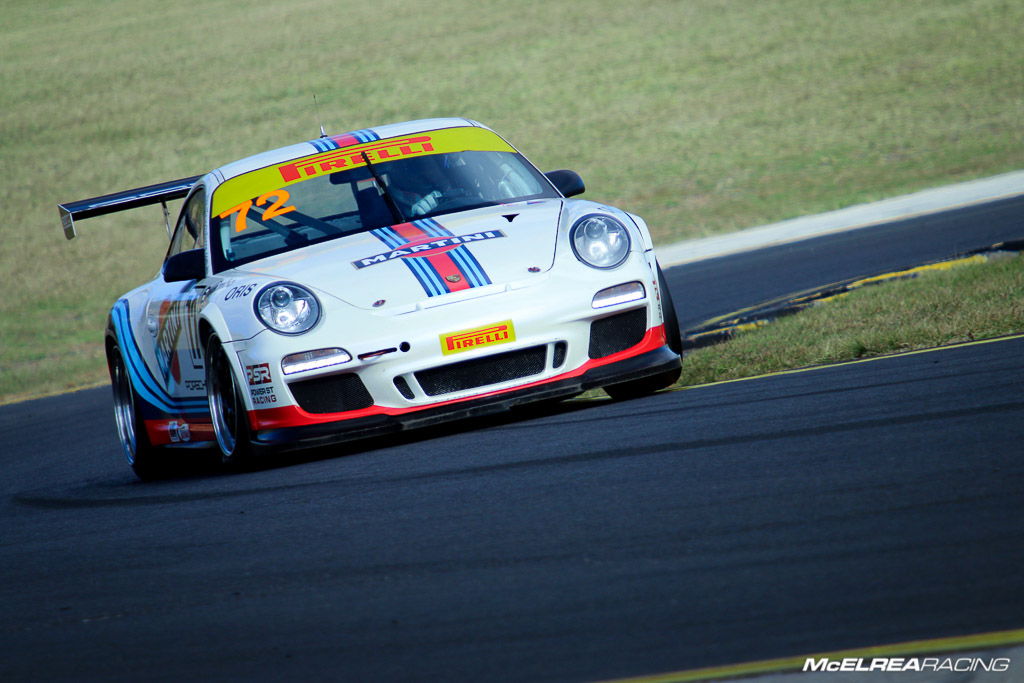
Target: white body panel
(377,305)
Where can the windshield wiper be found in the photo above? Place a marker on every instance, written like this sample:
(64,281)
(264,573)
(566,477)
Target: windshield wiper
(388,199)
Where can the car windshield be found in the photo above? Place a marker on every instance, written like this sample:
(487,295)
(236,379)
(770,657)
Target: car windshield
(301,204)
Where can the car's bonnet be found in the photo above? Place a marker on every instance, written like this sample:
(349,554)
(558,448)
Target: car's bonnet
(410,263)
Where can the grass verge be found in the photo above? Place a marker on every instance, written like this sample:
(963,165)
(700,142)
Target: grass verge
(976,301)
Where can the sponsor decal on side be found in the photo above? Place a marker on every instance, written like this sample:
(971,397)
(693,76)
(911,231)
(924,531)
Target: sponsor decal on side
(489,335)
(144,381)
(263,395)
(178,335)
(240,291)
(179,432)
(164,432)
(258,374)
(429,246)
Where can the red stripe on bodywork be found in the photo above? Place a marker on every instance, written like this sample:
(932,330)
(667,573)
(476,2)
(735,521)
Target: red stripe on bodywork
(294,416)
(344,140)
(159,431)
(441,262)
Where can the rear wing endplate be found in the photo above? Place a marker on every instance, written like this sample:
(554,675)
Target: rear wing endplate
(160,193)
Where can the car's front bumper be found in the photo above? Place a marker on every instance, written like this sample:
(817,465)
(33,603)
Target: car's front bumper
(652,357)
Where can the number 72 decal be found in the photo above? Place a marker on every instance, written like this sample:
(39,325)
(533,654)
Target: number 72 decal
(276,209)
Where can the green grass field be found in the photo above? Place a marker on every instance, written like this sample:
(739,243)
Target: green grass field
(703,116)
(970,302)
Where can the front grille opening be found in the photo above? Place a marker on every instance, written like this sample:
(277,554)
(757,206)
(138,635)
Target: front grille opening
(558,358)
(480,372)
(403,388)
(617,333)
(331,394)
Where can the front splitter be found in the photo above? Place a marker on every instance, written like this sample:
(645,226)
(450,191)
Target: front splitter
(654,362)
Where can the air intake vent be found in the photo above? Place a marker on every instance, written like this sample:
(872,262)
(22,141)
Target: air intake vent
(617,333)
(403,388)
(558,359)
(480,372)
(331,394)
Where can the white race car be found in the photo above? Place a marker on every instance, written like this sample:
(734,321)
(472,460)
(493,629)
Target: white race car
(375,281)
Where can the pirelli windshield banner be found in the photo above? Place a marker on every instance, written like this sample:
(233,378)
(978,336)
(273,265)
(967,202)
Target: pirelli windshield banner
(259,182)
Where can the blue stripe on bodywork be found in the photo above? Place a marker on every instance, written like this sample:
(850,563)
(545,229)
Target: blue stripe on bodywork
(427,276)
(423,270)
(323,144)
(143,381)
(328,144)
(462,256)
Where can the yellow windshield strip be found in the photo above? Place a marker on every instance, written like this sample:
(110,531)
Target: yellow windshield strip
(261,181)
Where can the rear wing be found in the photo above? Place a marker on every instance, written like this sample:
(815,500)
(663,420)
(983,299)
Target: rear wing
(160,193)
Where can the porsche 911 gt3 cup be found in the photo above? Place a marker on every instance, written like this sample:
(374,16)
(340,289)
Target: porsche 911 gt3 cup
(375,281)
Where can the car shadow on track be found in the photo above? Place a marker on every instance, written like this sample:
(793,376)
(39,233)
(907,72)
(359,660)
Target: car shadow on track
(516,415)
(205,463)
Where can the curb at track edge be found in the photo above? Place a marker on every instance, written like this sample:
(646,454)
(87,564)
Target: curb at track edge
(856,361)
(822,366)
(724,327)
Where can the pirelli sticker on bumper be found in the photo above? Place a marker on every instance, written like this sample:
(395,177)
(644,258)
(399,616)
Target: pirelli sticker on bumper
(488,335)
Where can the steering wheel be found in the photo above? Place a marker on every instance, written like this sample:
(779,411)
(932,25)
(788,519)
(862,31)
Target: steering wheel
(453,198)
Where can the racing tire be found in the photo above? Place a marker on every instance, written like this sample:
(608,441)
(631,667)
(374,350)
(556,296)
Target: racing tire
(672,333)
(227,406)
(149,462)
(673,339)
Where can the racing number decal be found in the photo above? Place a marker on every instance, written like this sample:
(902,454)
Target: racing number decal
(243,211)
(277,208)
(273,211)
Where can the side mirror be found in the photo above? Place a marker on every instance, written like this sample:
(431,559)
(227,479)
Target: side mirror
(184,266)
(569,183)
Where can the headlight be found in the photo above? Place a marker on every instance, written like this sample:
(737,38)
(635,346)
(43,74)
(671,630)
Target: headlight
(619,294)
(287,308)
(313,360)
(599,241)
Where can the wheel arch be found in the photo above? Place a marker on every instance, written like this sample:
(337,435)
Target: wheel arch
(205,332)
(110,343)
(208,330)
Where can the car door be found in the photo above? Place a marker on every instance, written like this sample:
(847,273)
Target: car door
(173,308)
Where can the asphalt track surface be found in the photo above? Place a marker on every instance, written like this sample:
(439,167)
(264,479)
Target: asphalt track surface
(854,505)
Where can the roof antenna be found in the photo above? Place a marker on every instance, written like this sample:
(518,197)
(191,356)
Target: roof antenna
(316,106)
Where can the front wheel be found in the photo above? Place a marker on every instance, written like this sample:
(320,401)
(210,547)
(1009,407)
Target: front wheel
(672,333)
(227,406)
(147,461)
(648,385)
